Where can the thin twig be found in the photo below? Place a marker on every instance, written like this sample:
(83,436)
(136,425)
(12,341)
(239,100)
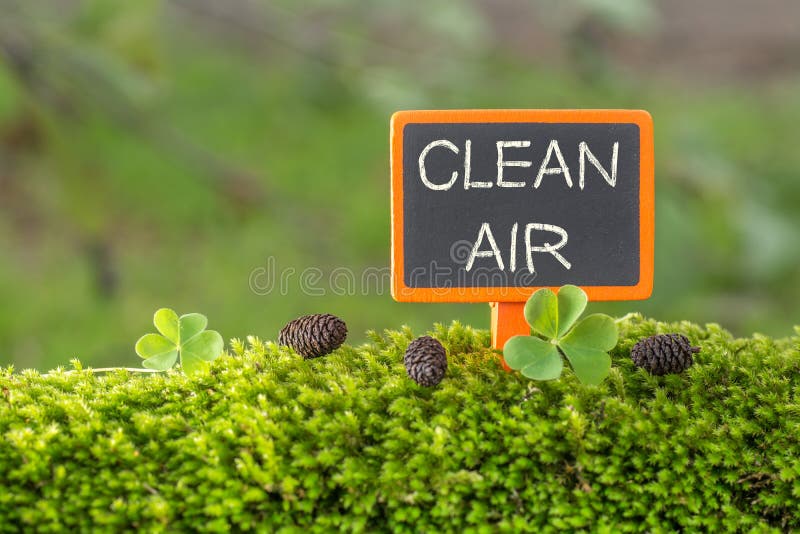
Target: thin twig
(107,370)
(150,488)
(131,369)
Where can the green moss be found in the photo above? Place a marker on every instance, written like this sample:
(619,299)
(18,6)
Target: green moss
(265,439)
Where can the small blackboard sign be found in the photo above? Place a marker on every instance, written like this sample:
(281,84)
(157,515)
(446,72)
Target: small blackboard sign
(491,205)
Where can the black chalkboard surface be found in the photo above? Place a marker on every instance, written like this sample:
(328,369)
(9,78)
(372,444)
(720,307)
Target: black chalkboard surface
(494,209)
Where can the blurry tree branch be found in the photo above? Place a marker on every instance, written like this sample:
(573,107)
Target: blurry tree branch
(73,80)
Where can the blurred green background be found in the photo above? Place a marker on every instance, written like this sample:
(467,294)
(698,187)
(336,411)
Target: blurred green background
(163,153)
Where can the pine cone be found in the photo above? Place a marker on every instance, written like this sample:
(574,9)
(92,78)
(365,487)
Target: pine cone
(426,361)
(314,335)
(663,354)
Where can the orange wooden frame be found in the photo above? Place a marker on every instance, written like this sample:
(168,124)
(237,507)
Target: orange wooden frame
(641,290)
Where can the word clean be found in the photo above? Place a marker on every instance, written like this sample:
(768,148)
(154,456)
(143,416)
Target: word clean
(553,163)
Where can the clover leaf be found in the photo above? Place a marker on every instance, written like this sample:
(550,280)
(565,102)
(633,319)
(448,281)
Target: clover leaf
(585,344)
(185,336)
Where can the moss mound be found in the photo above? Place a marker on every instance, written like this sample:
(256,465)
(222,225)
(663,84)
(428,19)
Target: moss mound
(265,440)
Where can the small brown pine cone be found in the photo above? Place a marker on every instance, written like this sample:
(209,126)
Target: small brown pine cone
(314,335)
(426,361)
(664,354)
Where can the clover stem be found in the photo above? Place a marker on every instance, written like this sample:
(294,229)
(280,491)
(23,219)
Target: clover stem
(627,316)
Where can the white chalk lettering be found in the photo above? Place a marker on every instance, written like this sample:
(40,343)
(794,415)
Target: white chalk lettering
(510,163)
(424,175)
(562,168)
(513,258)
(583,148)
(552,163)
(547,248)
(468,168)
(477,253)
(485,232)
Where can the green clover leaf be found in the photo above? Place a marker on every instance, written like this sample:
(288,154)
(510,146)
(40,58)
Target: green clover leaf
(541,313)
(571,303)
(533,357)
(552,315)
(185,336)
(585,344)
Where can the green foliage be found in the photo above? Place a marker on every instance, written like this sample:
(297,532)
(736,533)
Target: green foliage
(586,345)
(185,336)
(264,440)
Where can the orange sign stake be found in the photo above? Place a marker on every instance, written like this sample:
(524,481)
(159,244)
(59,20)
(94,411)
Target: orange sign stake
(508,320)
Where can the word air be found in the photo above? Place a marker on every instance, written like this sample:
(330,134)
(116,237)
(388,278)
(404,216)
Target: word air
(546,233)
